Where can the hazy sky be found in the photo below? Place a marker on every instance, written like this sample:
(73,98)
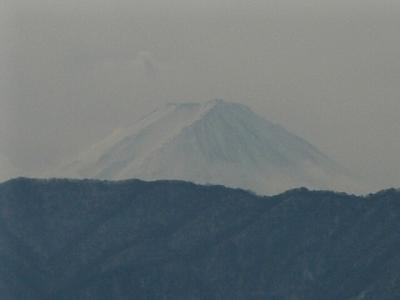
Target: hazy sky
(328,70)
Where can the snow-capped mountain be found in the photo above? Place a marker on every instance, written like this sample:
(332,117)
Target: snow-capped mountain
(217,142)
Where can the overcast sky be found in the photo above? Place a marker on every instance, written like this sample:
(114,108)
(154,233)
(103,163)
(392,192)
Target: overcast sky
(327,70)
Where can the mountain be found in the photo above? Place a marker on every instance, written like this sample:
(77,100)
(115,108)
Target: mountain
(85,239)
(217,142)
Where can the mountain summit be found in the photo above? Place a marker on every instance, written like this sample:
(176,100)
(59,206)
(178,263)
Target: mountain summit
(216,142)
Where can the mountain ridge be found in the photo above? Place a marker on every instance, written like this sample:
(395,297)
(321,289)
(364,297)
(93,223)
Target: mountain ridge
(95,239)
(22,179)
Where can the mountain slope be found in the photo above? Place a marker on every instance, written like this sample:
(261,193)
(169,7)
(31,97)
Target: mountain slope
(82,239)
(215,142)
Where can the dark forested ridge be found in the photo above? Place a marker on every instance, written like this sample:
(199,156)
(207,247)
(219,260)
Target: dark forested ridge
(67,239)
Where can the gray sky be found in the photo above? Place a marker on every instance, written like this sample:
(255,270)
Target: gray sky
(329,71)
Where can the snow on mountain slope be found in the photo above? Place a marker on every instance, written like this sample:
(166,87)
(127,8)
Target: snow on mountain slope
(216,142)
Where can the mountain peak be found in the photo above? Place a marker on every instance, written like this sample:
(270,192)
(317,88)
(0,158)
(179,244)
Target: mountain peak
(217,102)
(217,142)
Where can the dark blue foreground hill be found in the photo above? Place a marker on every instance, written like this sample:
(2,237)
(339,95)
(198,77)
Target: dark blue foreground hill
(63,239)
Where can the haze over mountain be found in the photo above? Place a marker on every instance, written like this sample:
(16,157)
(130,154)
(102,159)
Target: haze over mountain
(216,142)
(85,239)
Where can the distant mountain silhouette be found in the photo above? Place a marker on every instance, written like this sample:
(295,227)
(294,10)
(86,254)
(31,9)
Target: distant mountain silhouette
(84,239)
(215,142)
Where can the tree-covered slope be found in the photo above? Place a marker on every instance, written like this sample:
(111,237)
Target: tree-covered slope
(83,239)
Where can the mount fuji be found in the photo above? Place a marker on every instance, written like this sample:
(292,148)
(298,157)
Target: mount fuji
(216,142)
